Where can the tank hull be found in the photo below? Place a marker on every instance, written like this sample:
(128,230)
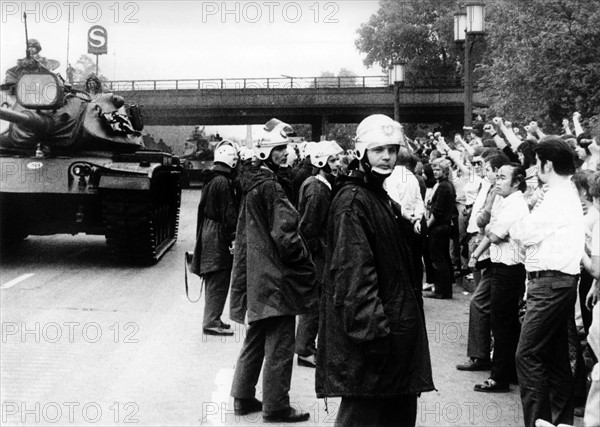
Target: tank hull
(132,199)
(193,172)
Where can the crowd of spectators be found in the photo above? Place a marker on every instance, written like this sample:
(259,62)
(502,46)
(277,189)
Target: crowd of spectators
(477,208)
(520,209)
(512,212)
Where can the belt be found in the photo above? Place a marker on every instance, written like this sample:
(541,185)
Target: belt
(547,273)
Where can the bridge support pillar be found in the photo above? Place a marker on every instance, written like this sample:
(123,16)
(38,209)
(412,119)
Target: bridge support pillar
(319,129)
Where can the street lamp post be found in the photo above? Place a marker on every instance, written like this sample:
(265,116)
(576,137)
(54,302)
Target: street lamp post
(468,28)
(396,77)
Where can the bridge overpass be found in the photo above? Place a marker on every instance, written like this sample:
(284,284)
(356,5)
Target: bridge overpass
(314,100)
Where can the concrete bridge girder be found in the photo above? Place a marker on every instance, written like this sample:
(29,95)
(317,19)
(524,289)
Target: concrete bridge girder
(256,106)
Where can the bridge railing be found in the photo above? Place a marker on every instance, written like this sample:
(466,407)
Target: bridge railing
(249,83)
(272,83)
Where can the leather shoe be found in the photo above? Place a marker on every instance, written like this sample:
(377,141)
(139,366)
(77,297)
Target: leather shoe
(246,406)
(308,361)
(217,330)
(491,386)
(475,364)
(224,325)
(288,415)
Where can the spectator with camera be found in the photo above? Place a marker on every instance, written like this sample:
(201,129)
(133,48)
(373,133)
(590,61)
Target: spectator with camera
(587,147)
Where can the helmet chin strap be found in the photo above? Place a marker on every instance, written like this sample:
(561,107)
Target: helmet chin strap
(269,163)
(383,172)
(374,175)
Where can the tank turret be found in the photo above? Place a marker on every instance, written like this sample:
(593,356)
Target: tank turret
(74,162)
(62,118)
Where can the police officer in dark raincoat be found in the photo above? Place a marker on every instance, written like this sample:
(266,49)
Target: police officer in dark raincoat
(217,221)
(273,280)
(372,347)
(315,196)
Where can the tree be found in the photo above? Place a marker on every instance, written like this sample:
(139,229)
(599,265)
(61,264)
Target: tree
(344,78)
(84,67)
(543,59)
(419,33)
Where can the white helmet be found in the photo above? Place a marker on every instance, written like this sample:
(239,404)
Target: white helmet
(305,149)
(292,155)
(375,131)
(226,152)
(246,153)
(276,133)
(320,152)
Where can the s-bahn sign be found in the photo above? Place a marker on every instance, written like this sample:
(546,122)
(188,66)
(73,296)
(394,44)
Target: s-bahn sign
(97,40)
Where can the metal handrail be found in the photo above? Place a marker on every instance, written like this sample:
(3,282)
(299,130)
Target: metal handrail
(266,83)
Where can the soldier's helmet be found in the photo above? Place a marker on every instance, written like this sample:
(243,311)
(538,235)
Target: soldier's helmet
(34,44)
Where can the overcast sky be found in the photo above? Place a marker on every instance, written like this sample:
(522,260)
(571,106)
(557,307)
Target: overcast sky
(199,39)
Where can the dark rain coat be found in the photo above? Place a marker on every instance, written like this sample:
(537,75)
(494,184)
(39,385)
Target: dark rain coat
(302,171)
(216,221)
(273,274)
(368,296)
(313,205)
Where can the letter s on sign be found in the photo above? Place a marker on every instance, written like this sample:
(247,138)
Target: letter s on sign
(97,40)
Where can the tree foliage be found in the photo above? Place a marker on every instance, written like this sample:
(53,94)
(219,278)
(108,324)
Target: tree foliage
(543,59)
(84,67)
(419,33)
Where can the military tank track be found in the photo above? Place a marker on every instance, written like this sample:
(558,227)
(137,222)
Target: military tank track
(141,226)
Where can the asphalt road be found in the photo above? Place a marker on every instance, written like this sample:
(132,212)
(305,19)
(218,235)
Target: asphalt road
(87,342)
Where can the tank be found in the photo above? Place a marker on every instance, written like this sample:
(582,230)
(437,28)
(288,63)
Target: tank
(198,156)
(74,162)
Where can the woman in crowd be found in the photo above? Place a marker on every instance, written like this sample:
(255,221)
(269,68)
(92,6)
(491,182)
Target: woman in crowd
(439,227)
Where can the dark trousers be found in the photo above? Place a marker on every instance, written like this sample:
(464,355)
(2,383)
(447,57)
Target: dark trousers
(585,283)
(417,246)
(308,328)
(272,341)
(215,294)
(479,340)
(508,286)
(429,272)
(363,412)
(455,244)
(439,249)
(542,358)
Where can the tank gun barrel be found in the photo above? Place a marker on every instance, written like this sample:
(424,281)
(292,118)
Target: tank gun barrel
(28,119)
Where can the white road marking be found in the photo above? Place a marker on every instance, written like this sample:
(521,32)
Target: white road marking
(19,279)
(214,412)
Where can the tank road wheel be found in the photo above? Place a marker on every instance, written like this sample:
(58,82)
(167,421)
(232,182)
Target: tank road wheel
(141,227)
(11,227)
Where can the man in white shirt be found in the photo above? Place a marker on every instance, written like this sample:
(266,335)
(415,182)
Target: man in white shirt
(553,237)
(507,276)
(403,187)
(479,338)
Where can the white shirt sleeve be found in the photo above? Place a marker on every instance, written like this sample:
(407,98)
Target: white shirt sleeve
(596,239)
